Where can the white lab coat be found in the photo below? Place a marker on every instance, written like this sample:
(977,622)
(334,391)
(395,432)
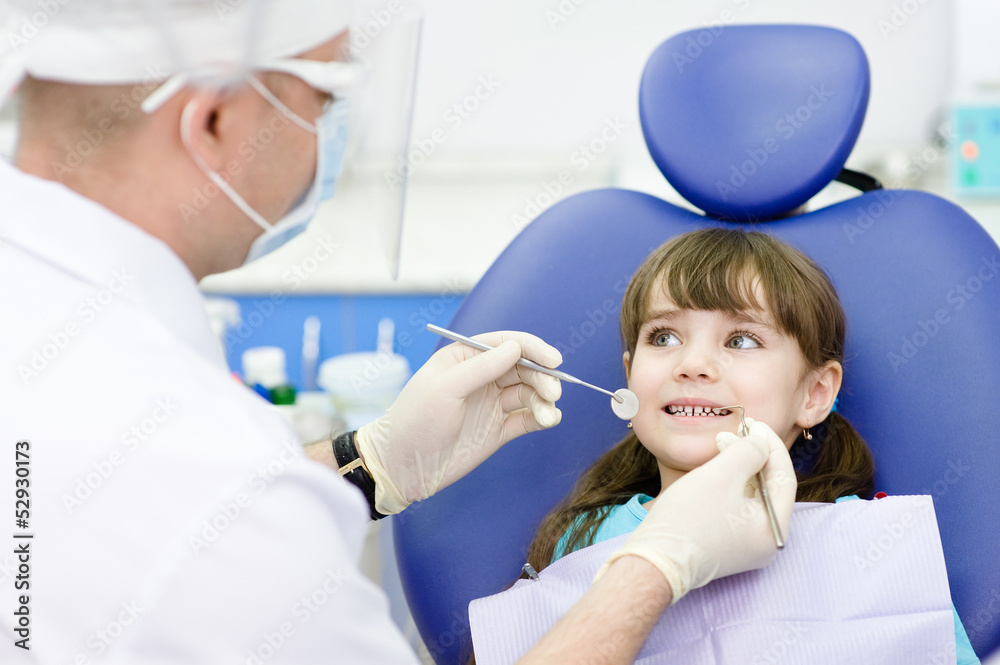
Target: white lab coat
(175,518)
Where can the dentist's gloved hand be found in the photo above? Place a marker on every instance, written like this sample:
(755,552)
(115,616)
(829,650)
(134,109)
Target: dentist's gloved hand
(456,411)
(703,527)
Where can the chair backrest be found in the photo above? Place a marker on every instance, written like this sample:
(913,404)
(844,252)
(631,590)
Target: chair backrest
(747,123)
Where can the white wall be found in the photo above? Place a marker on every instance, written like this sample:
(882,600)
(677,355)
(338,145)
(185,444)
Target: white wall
(560,78)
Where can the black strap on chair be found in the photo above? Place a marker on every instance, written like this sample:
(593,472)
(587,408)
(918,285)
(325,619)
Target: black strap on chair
(858,180)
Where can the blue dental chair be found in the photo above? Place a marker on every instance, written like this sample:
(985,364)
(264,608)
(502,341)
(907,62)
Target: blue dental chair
(747,125)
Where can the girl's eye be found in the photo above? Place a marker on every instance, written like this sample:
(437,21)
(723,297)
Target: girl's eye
(663,338)
(743,341)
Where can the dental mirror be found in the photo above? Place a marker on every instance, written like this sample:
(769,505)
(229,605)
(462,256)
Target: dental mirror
(628,406)
(624,403)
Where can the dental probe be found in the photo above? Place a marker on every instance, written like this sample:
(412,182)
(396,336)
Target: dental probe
(624,402)
(744,430)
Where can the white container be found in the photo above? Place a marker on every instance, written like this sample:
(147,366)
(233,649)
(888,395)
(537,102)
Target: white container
(363,385)
(264,365)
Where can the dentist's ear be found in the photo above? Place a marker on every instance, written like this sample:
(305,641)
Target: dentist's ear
(199,130)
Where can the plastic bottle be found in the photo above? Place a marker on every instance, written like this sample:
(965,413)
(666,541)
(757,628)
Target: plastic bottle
(264,366)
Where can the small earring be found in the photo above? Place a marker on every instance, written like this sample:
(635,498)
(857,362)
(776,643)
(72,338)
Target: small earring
(630,424)
(807,434)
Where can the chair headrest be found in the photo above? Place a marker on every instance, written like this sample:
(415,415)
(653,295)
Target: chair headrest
(749,122)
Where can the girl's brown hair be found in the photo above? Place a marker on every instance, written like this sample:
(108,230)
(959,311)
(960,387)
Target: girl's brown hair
(722,270)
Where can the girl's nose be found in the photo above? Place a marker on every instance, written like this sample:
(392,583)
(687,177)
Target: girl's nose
(697,363)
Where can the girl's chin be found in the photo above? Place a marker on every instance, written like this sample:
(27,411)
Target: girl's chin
(685,459)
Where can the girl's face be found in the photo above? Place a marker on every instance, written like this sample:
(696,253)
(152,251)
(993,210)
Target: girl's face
(688,362)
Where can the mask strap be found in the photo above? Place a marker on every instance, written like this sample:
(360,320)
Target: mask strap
(212,175)
(278,104)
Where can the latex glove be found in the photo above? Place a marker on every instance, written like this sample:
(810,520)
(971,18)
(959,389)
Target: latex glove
(456,411)
(703,527)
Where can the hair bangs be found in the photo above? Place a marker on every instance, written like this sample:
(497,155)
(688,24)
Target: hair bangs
(724,281)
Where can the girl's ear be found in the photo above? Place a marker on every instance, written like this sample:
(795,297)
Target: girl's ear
(823,386)
(628,368)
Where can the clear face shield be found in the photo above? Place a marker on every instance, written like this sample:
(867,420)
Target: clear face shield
(385,43)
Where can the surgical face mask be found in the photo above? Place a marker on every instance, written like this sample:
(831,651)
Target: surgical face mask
(331,139)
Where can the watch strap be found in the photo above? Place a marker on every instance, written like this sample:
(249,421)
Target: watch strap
(352,468)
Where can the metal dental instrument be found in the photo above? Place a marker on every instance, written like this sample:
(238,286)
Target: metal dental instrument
(623,401)
(779,540)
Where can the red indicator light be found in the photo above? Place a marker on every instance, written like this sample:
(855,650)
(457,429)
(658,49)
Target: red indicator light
(970,151)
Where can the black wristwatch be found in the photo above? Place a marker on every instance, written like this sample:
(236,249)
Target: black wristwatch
(345,451)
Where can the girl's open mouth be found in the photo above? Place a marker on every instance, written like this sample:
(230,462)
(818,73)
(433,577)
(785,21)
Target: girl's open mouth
(696,411)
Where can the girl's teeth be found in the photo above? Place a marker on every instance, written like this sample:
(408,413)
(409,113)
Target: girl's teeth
(696,411)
